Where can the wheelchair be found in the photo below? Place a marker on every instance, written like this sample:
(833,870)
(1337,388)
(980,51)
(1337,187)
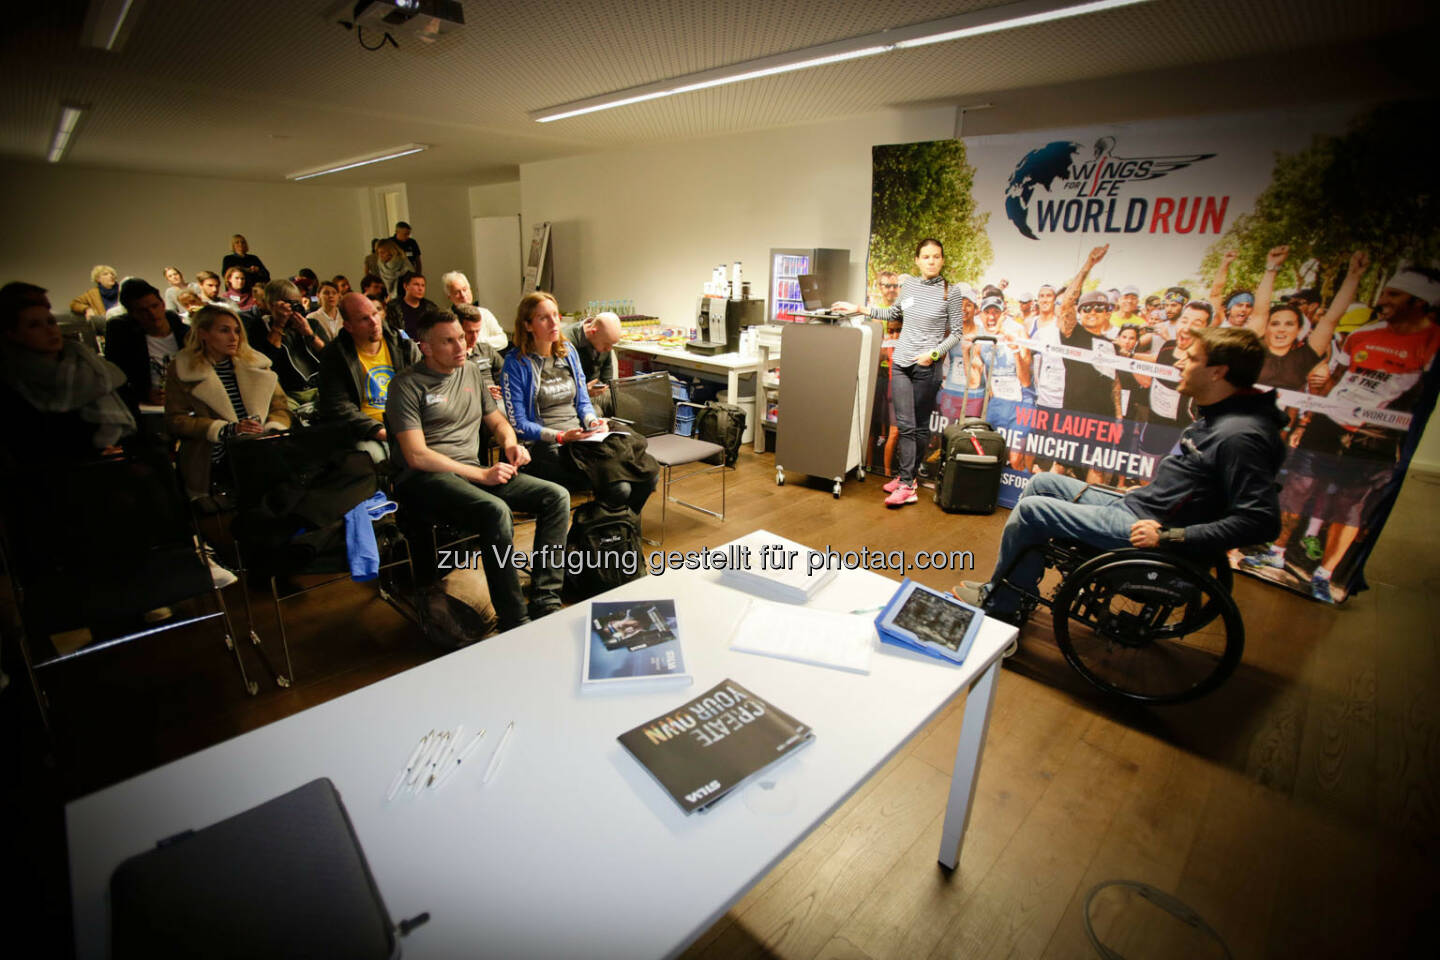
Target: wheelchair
(1152,626)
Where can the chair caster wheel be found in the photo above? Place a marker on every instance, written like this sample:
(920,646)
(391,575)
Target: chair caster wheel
(835,490)
(779,478)
(860,474)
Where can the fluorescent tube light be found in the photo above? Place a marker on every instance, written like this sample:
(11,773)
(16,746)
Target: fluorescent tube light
(1006,17)
(70,115)
(350,164)
(105,23)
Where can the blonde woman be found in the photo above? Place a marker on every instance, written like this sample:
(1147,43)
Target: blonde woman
(103,294)
(391,264)
(217,389)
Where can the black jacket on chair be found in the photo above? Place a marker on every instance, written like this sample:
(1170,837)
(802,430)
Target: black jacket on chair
(342,380)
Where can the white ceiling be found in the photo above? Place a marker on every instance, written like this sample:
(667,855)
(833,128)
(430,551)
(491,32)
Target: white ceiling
(256,89)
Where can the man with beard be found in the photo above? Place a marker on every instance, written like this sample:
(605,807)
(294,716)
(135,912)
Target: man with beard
(1169,411)
(356,369)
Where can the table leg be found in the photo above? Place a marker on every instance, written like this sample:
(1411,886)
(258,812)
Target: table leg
(973,728)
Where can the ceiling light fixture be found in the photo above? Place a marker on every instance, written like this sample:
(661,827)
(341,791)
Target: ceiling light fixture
(390,153)
(1009,16)
(105,23)
(70,114)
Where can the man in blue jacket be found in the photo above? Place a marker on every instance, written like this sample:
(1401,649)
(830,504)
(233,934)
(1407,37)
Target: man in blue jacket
(1219,491)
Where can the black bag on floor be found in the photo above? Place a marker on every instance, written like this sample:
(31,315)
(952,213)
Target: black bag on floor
(974,458)
(602,550)
(721,423)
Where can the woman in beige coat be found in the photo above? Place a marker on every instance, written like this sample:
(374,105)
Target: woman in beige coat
(217,389)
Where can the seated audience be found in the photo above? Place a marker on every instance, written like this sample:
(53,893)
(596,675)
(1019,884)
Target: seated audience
(326,319)
(103,294)
(59,399)
(357,368)
(190,301)
(374,288)
(457,291)
(407,244)
(391,265)
(237,290)
(404,312)
(594,340)
(207,284)
(280,331)
(545,395)
(477,350)
(1218,492)
(217,391)
(308,283)
(433,415)
(341,282)
(175,285)
(255,272)
(142,340)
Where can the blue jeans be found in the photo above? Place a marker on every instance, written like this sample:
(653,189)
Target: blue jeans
(1051,507)
(912,389)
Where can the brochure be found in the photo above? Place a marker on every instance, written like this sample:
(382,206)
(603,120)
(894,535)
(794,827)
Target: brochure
(704,749)
(633,644)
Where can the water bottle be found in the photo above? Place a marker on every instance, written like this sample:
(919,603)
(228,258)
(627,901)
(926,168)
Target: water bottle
(736,285)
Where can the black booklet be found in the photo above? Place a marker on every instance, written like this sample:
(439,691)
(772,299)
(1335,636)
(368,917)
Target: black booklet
(705,748)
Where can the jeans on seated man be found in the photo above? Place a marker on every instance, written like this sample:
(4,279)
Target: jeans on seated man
(433,414)
(1219,491)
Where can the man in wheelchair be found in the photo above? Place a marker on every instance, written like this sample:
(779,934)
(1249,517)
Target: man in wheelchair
(1217,492)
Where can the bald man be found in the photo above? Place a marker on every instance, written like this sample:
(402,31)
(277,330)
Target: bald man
(356,368)
(594,339)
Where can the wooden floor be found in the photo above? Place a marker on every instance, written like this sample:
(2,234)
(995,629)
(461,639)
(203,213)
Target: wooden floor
(1297,809)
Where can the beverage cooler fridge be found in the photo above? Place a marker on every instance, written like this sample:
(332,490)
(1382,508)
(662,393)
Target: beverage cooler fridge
(788,265)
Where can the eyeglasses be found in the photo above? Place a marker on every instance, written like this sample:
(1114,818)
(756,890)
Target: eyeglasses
(889,286)
(1095,308)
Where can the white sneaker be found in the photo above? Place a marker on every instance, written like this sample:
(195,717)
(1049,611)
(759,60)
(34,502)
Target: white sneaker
(221,577)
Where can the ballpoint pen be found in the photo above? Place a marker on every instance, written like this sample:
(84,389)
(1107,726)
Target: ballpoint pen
(409,766)
(443,757)
(499,751)
(427,763)
(458,759)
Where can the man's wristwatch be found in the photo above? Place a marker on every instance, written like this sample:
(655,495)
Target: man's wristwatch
(1172,534)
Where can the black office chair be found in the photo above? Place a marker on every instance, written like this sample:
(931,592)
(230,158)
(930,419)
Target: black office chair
(293,491)
(92,548)
(646,403)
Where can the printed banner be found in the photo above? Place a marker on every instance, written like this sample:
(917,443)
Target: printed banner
(1091,254)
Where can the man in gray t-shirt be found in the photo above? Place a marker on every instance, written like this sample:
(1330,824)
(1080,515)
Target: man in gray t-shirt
(433,414)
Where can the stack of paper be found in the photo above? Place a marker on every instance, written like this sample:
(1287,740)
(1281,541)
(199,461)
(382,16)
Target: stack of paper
(822,637)
(779,569)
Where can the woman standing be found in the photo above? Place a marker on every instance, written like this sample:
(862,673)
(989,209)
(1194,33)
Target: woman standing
(546,398)
(932,321)
(216,390)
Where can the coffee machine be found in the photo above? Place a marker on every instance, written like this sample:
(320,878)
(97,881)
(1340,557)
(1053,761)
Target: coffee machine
(718,323)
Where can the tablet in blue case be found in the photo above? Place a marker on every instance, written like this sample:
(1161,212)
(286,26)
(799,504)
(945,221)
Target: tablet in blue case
(930,622)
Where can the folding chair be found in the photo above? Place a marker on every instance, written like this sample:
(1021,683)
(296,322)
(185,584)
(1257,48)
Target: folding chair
(93,547)
(293,491)
(646,403)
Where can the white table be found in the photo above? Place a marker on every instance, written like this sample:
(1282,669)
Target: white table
(732,365)
(572,849)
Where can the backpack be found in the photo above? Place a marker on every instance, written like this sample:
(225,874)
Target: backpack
(721,423)
(602,550)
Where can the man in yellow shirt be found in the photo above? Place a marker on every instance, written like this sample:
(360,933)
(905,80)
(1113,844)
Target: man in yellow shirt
(356,369)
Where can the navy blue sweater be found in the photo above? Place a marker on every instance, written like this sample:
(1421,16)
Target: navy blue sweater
(1222,486)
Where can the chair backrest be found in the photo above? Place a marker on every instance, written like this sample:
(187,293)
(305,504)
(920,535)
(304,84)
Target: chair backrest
(646,401)
(284,467)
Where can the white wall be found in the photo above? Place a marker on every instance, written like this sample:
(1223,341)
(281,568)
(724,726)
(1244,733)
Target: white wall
(440,219)
(495,199)
(64,220)
(649,224)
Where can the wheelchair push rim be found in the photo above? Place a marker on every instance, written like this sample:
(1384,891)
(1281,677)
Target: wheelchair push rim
(1150,629)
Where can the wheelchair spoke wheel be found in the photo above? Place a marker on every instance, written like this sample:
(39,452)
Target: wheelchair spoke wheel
(1148,628)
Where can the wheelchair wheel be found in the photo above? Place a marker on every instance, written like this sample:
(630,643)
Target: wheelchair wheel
(1151,629)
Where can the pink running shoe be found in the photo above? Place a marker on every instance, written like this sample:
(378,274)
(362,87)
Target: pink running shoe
(903,494)
(892,486)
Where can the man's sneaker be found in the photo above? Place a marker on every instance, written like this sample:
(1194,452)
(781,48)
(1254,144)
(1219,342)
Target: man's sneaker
(1266,559)
(1314,549)
(892,486)
(1320,589)
(903,494)
(969,591)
